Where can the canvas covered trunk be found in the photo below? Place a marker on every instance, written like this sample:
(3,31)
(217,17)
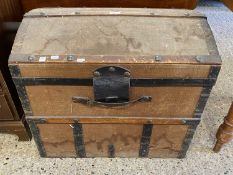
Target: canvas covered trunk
(114,82)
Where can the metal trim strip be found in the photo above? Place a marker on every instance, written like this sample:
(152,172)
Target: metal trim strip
(36,135)
(78,140)
(133,82)
(111,151)
(214,71)
(187,140)
(20,87)
(145,140)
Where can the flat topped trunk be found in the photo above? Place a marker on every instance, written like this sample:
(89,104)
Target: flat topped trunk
(111,69)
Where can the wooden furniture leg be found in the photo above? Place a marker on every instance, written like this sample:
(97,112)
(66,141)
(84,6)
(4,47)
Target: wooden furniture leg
(225,131)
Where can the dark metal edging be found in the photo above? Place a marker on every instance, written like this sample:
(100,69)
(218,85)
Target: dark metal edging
(133,82)
(145,140)
(147,132)
(210,41)
(187,141)
(111,151)
(15,72)
(188,137)
(77,133)
(214,71)
(78,139)
(202,101)
(36,135)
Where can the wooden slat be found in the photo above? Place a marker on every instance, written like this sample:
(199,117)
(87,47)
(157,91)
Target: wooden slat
(114,120)
(136,70)
(166,101)
(166,141)
(124,137)
(57,140)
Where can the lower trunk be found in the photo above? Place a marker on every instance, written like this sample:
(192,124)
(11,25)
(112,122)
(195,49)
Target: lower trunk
(112,137)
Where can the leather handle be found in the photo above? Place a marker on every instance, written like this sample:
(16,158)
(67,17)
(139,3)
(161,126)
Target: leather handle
(90,102)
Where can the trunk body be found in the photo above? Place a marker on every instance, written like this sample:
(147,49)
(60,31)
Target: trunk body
(114,82)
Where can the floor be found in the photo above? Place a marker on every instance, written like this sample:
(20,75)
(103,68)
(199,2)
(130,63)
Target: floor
(22,157)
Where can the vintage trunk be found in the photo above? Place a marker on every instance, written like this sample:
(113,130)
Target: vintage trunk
(114,82)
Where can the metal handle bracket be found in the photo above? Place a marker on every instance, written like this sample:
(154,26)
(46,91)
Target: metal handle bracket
(90,102)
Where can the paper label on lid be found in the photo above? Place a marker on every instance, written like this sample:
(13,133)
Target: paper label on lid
(81,60)
(115,12)
(42,59)
(54,57)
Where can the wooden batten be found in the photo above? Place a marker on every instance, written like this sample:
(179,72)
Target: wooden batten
(113,120)
(137,71)
(166,101)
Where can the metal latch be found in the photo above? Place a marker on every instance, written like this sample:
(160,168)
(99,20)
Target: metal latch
(111,86)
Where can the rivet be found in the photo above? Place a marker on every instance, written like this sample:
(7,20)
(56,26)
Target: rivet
(112,69)
(77,13)
(31,58)
(70,58)
(42,120)
(186,14)
(96,74)
(127,74)
(157,58)
(199,58)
